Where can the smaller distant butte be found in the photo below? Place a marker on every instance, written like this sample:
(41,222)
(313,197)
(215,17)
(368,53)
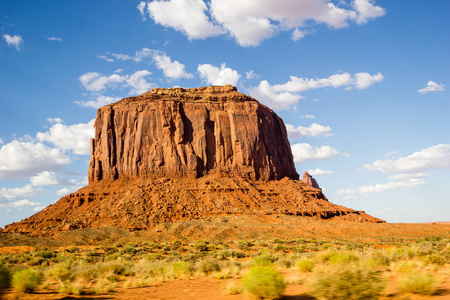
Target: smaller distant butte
(309,180)
(179,154)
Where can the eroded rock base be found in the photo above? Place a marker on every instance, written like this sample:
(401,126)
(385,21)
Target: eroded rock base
(143,203)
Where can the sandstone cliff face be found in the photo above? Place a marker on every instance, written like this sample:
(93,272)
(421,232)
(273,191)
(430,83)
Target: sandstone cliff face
(190,133)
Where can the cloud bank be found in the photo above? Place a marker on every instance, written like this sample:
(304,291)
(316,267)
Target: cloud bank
(252,21)
(281,96)
(406,172)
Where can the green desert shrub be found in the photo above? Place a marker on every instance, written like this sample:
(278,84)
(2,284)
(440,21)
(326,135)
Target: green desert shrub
(285,262)
(62,273)
(87,273)
(44,254)
(380,257)
(299,249)
(346,282)
(233,288)
(201,246)
(261,261)
(26,280)
(326,246)
(418,282)
(103,287)
(116,267)
(312,247)
(5,278)
(224,254)
(434,258)
(71,288)
(181,269)
(343,258)
(305,265)
(263,283)
(265,258)
(279,248)
(36,261)
(208,266)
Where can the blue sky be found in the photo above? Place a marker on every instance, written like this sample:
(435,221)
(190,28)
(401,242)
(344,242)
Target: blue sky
(362,86)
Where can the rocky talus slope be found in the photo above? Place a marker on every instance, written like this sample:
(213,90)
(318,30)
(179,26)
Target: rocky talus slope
(179,154)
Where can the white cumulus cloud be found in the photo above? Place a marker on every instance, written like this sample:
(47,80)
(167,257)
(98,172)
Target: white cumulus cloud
(138,83)
(251,75)
(187,16)
(298,34)
(276,100)
(364,80)
(20,204)
(313,130)
(75,138)
(317,172)
(45,178)
(281,96)
(105,58)
(252,21)
(171,69)
(10,194)
(141,7)
(305,152)
(406,172)
(432,158)
(308,116)
(96,82)
(15,40)
(98,101)
(382,187)
(367,10)
(218,76)
(432,87)
(24,159)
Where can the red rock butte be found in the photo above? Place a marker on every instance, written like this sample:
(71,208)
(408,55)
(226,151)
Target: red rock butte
(190,133)
(179,154)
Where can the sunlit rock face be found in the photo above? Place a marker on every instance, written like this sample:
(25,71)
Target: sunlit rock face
(190,133)
(309,180)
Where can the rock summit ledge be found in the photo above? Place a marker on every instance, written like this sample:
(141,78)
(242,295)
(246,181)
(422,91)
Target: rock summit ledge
(178,154)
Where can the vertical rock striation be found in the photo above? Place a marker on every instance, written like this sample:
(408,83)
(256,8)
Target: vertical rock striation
(190,133)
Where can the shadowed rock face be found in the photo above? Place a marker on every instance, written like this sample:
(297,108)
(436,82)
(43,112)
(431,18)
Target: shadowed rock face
(190,133)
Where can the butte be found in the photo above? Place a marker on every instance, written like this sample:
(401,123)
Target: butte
(181,154)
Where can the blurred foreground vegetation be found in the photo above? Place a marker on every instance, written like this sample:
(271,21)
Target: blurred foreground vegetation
(329,269)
